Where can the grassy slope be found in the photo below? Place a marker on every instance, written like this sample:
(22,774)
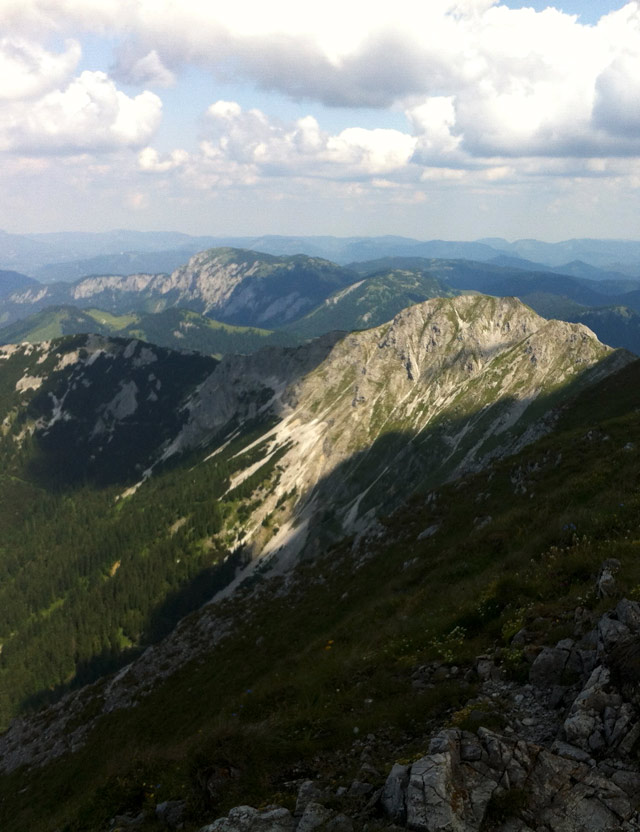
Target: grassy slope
(174,328)
(281,697)
(370,302)
(185,329)
(55,322)
(115,323)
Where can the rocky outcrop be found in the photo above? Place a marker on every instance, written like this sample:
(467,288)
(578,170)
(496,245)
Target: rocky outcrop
(565,761)
(234,285)
(442,390)
(248,819)
(316,817)
(585,779)
(467,780)
(243,387)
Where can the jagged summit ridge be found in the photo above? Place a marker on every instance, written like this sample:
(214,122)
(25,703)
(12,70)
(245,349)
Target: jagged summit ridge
(439,391)
(236,285)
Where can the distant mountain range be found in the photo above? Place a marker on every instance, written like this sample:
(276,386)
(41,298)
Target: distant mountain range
(234,300)
(70,255)
(237,286)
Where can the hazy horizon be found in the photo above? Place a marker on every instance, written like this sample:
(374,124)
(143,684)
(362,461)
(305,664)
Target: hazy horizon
(456,119)
(257,235)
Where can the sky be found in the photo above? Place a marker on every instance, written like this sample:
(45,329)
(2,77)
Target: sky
(453,119)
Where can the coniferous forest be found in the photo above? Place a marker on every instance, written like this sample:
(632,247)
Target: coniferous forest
(91,569)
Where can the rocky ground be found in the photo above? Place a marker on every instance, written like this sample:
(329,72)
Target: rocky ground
(565,758)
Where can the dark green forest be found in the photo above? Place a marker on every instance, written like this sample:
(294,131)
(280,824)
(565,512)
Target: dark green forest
(89,578)
(93,570)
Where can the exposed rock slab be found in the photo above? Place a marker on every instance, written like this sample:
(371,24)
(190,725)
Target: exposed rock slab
(456,786)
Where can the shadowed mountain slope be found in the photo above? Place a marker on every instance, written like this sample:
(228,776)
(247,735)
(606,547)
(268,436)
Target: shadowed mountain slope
(15,282)
(188,464)
(386,635)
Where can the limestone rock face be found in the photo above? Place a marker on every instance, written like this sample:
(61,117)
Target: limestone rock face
(233,285)
(444,388)
(453,788)
(585,780)
(561,664)
(600,721)
(393,797)
(246,287)
(314,817)
(248,819)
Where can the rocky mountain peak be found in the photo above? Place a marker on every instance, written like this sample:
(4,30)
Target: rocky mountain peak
(234,285)
(441,390)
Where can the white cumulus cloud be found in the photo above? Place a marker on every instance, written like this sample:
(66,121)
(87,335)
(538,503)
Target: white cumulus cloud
(617,101)
(149,160)
(27,70)
(517,82)
(303,148)
(89,114)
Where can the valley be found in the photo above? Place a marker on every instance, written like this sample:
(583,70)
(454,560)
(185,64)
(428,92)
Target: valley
(266,513)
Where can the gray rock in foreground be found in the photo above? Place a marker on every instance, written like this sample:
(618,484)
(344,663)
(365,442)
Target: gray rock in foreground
(569,770)
(469,779)
(248,819)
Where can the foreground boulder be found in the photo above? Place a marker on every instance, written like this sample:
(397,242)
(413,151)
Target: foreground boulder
(469,780)
(248,819)
(569,765)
